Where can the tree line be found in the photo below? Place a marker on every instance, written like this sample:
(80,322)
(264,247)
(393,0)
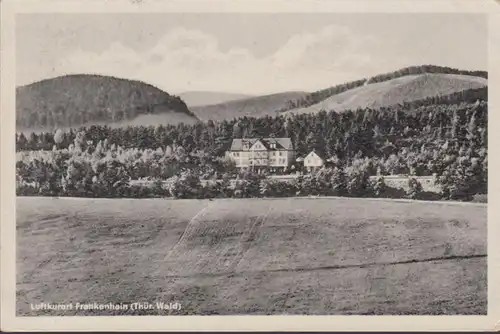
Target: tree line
(352,134)
(448,141)
(104,171)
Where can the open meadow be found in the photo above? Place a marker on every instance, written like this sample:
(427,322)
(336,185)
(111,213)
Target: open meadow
(318,256)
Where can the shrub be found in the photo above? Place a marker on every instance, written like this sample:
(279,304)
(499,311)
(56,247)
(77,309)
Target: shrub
(266,188)
(323,181)
(111,178)
(358,181)
(414,189)
(463,179)
(248,185)
(379,187)
(317,183)
(307,185)
(392,192)
(480,198)
(238,193)
(138,191)
(25,189)
(246,188)
(216,189)
(338,182)
(276,188)
(159,189)
(186,185)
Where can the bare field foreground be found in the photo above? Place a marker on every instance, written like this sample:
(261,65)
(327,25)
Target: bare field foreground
(323,256)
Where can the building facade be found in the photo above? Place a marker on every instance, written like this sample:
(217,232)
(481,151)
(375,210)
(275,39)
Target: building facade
(259,154)
(314,161)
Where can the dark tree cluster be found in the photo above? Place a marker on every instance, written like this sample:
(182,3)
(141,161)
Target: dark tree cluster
(446,140)
(362,133)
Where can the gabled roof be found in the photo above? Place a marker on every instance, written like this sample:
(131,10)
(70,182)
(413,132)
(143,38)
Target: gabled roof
(281,143)
(319,154)
(263,142)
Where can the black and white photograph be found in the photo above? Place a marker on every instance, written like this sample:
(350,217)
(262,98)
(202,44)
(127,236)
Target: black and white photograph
(251,163)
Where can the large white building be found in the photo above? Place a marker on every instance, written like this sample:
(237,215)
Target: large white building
(272,154)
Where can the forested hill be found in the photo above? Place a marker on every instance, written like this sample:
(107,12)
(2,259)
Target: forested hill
(321,95)
(75,100)
(396,91)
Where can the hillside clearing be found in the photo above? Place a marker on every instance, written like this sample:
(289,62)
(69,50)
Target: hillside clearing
(262,256)
(392,92)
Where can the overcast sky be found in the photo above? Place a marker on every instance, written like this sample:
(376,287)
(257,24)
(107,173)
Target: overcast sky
(244,53)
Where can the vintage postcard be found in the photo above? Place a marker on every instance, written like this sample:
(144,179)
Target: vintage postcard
(243,165)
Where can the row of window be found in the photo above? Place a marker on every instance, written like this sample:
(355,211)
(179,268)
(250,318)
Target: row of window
(264,162)
(258,154)
(273,160)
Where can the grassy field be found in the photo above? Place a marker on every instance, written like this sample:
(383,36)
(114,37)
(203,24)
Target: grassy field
(258,256)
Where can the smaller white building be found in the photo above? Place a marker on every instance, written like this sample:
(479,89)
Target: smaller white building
(313,161)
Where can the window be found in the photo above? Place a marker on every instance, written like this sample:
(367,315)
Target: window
(281,153)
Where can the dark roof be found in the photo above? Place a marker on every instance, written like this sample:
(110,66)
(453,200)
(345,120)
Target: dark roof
(281,143)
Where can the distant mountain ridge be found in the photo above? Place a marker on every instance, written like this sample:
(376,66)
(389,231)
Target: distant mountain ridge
(203,98)
(258,106)
(85,99)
